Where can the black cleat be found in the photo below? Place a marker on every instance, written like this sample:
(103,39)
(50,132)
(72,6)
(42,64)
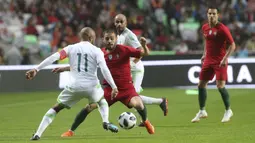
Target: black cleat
(111,127)
(35,137)
(164,106)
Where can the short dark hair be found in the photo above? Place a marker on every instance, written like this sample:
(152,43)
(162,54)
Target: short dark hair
(109,31)
(213,7)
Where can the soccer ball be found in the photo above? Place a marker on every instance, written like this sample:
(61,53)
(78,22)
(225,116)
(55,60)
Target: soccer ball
(127,120)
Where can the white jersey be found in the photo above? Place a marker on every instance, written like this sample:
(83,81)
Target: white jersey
(84,58)
(128,38)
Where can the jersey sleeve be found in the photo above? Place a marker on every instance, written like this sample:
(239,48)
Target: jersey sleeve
(54,57)
(227,35)
(48,61)
(64,53)
(132,52)
(104,69)
(133,41)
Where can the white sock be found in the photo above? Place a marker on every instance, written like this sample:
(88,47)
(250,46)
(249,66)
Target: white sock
(151,100)
(104,110)
(47,119)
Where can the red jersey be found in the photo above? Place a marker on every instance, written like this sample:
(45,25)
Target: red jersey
(217,39)
(118,62)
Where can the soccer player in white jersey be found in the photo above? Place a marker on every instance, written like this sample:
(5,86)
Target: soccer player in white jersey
(128,38)
(84,58)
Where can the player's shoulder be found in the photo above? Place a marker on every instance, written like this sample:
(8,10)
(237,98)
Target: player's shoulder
(222,26)
(103,49)
(97,50)
(121,47)
(205,26)
(129,33)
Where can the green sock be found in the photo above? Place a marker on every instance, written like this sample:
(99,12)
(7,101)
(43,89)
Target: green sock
(143,113)
(202,97)
(225,97)
(80,117)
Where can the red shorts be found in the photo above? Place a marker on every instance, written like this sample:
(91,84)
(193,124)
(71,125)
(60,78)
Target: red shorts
(208,71)
(123,96)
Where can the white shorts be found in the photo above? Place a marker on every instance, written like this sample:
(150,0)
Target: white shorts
(137,72)
(69,98)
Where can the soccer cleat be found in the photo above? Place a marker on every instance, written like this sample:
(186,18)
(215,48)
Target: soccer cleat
(111,127)
(164,106)
(69,133)
(149,127)
(200,114)
(34,138)
(227,115)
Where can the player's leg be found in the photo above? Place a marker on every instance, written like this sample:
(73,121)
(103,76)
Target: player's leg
(80,117)
(65,101)
(103,108)
(206,74)
(137,77)
(221,77)
(131,99)
(137,103)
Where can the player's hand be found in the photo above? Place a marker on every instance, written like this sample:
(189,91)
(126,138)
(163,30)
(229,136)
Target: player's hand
(223,62)
(114,93)
(202,59)
(143,41)
(31,74)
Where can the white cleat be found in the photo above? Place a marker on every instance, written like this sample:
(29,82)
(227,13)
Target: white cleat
(200,114)
(227,115)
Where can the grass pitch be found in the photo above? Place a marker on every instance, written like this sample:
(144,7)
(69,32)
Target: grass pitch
(21,114)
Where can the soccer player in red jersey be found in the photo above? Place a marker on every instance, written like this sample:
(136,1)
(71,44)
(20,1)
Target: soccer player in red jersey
(118,61)
(219,45)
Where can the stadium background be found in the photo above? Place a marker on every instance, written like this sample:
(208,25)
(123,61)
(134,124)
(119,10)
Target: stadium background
(31,30)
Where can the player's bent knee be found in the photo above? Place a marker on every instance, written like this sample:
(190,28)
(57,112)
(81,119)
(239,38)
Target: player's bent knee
(139,106)
(202,84)
(220,84)
(137,103)
(91,107)
(58,107)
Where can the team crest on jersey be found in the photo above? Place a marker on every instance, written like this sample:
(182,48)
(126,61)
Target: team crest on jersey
(110,57)
(210,32)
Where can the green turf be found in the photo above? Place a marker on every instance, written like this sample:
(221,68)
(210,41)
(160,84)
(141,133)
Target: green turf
(21,114)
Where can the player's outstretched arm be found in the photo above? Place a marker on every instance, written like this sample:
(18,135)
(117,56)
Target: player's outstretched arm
(32,73)
(145,50)
(60,69)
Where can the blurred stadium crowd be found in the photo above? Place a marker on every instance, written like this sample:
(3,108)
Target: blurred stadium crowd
(30,30)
